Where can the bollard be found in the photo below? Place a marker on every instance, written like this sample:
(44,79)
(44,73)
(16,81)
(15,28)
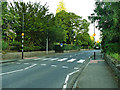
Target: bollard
(94,55)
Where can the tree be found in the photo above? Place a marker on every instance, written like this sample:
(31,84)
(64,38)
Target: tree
(108,14)
(72,24)
(61,7)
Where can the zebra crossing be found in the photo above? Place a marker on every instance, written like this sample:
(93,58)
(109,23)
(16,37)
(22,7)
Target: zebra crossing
(61,60)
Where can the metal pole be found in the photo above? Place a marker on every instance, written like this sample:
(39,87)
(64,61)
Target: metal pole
(47,45)
(23,37)
(94,38)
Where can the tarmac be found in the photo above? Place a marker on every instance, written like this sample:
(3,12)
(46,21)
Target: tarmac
(97,74)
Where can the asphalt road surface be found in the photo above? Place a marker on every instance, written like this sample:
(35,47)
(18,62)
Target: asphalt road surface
(43,72)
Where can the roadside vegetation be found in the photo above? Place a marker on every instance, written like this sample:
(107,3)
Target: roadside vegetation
(38,24)
(107,14)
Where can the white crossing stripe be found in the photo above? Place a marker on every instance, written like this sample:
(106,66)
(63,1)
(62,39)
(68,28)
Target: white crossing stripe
(62,59)
(37,58)
(64,67)
(71,60)
(26,63)
(21,60)
(76,68)
(80,61)
(54,59)
(53,65)
(46,59)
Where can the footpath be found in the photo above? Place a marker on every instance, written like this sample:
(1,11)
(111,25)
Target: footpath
(96,74)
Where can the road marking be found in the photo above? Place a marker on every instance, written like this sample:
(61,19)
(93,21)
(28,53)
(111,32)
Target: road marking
(76,68)
(62,59)
(30,66)
(11,72)
(18,63)
(37,59)
(21,60)
(71,60)
(26,63)
(80,61)
(12,62)
(54,59)
(64,67)
(46,59)
(18,70)
(43,64)
(53,65)
(67,78)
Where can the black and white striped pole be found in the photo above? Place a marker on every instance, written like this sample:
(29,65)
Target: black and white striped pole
(23,37)
(22,44)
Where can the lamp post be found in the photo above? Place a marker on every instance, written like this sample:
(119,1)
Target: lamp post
(94,36)
(47,39)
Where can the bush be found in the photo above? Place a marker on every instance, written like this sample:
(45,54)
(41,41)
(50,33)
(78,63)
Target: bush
(58,48)
(33,48)
(15,45)
(115,55)
(112,48)
(67,47)
(4,45)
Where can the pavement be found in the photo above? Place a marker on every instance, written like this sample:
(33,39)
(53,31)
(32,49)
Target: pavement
(96,74)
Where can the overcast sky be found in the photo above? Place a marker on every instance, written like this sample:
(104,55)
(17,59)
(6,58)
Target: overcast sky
(80,7)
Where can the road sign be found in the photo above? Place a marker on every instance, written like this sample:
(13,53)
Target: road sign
(22,34)
(61,44)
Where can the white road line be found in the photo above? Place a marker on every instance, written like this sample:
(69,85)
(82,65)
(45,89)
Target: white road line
(43,64)
(76,68)
(80,61)
(54,59)
(64,67)
(26,63)
(11,72)
(18,70)
(30,66)
(53,66)
(67,78)
(71,60)
(62,59)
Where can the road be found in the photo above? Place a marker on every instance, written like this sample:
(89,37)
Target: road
(43,72)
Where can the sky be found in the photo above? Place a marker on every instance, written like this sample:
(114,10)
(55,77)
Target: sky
(80,7)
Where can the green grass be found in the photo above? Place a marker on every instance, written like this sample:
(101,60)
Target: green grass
(115,55)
